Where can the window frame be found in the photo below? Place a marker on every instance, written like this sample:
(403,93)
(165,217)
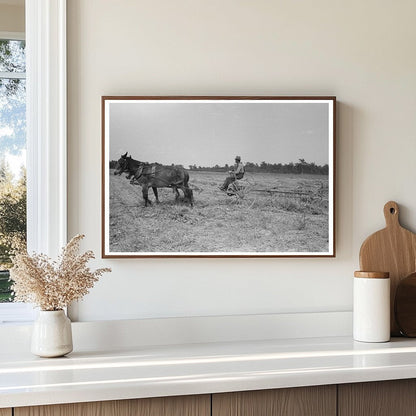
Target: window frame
(46,138)
(46,125)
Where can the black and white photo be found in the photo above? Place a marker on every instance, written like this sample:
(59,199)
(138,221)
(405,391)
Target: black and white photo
(218,176)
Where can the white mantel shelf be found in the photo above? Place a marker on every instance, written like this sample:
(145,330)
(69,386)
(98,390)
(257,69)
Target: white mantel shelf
(151,371)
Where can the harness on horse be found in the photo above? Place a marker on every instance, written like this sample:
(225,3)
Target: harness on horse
(149,171)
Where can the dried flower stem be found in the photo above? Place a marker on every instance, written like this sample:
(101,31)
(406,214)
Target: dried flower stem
(53,285)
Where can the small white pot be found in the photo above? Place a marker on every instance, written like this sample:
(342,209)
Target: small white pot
(52,334)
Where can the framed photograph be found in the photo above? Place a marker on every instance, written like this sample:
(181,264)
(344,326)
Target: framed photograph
(218,176)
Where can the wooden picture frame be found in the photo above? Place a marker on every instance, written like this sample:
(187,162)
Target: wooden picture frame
(278,199)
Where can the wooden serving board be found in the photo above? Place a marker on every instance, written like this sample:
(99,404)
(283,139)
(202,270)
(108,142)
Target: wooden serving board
(393,250)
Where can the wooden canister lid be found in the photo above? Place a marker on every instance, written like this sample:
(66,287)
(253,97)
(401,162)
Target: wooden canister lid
(372,275)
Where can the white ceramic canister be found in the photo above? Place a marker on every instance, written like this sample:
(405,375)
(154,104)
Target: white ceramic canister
(371,322)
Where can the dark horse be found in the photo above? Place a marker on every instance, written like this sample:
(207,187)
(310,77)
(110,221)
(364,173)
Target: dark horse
(154,175)
(129,165)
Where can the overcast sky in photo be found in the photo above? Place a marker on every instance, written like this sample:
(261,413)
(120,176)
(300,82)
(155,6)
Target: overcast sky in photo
(206,134)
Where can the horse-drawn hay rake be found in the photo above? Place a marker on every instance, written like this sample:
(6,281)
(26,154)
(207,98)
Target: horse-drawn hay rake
(315,192)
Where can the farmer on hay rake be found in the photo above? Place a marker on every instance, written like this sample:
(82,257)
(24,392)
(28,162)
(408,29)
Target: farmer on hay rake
(237,172)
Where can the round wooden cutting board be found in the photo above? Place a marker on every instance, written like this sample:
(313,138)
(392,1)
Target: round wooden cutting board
(392,250)
(405,306)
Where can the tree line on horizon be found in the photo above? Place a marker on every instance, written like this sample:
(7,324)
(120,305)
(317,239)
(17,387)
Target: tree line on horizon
(300,167)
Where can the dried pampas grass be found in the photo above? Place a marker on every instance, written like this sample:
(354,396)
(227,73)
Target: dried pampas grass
(53,285)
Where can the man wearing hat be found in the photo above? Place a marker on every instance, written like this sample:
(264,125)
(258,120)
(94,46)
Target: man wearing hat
(237,172)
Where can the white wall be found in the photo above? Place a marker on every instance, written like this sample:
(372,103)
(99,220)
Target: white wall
(361,51)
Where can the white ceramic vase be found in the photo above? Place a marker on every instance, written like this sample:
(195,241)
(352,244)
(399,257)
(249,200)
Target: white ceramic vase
(52,334)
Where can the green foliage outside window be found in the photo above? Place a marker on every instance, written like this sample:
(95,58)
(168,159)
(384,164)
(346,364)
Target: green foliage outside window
(12,223)
(12,148)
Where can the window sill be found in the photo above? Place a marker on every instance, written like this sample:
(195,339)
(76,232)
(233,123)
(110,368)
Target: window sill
(16,313)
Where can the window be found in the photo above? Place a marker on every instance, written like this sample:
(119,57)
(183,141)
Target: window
(12,155)
(46,135)
(12,164)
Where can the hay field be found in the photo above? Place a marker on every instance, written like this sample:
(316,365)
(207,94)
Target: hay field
(259,222)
